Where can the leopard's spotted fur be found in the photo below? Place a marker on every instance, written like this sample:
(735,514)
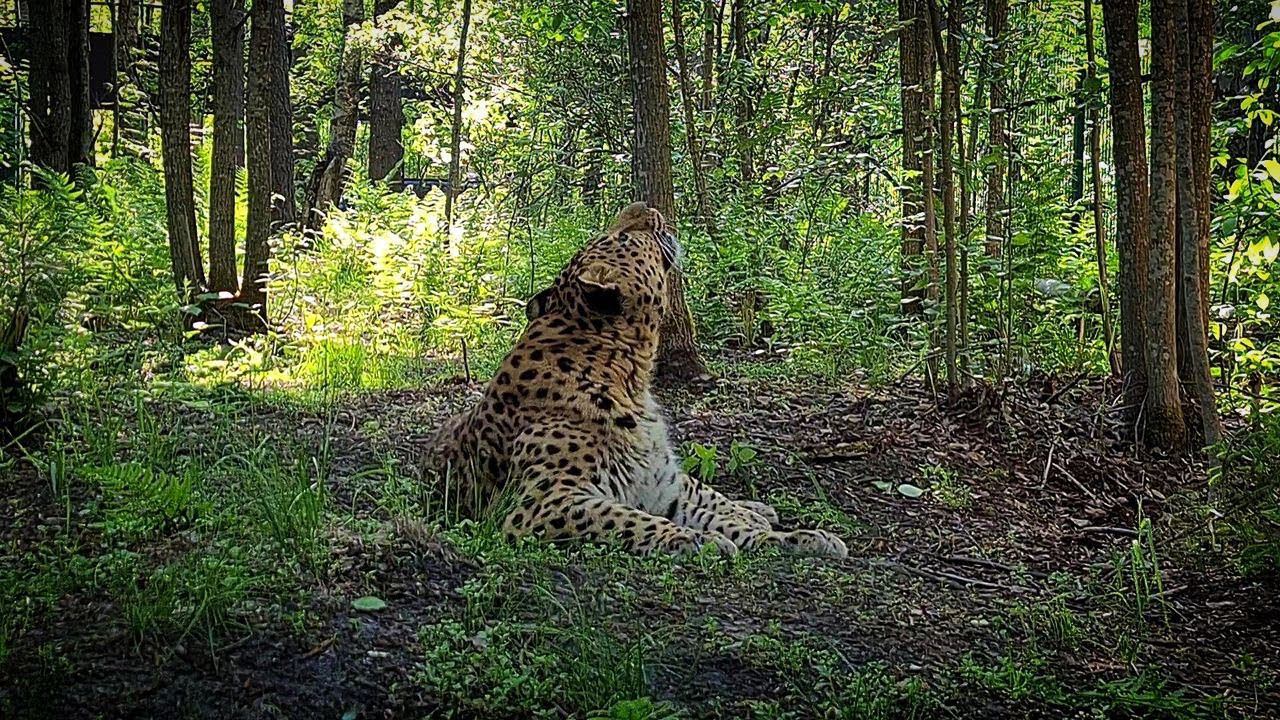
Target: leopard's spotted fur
(568,430)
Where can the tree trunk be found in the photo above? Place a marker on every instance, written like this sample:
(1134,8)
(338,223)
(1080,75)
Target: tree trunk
(912,63)
(269,154)
(284,209)
(175,141)
(81,135)
(330,174)
(743,107)
(1162,411)
(455,133)
(386,117)
(678,357)
(1078,121)
(1194,33)
(50,85)
(692,141)
(227,33)
(1130,159)
(710,11)
(998,139)
(130,124)
(1095,172)
(948,56)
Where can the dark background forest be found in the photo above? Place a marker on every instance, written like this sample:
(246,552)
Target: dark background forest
(984,286)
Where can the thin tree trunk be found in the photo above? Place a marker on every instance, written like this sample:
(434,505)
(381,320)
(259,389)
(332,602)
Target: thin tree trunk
(1194,32)
(949,113)
(1095,162)
(128,113)
(743,104)
(1162,411)
(330,174)
(285,207)
(270,177)
(81,135)
(386,117)
(690,125)
(911,86)
(998,140)
(1132,193)
(175,140)
(710,11)
(678,357)
(227,31)
(1078,121)
(455,134)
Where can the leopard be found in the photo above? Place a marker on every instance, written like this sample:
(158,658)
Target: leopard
(567,442)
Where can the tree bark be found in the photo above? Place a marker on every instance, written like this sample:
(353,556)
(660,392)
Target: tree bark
(1095,174)
(709,47)
(916,90)
(129,132)
(1194,33)
(1132,194)
(81,135)
(678,357)
(49,85)
(455,133)
(949,113)
(330,174)
(227,33)
(1162,411)
(386,117)
(998,139)
(284,209)
(270,151)
(175,141)
(743,107)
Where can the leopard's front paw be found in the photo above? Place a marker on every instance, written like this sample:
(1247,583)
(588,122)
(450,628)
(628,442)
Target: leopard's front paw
(819,543)
(687,541)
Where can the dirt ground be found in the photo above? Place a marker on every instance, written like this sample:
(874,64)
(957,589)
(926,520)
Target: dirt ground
(1020,554)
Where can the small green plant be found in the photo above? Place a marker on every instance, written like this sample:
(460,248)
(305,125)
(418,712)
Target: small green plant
(703,461)
(141,502)
(700,461)
(742,457)
(1145,579)
(819,512)
(1051,620)
(944,484)
(291,505)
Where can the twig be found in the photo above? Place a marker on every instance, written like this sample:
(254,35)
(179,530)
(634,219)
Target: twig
(1075,482)
(1054,397)
(994,565)
(1127,532)
(1053,445)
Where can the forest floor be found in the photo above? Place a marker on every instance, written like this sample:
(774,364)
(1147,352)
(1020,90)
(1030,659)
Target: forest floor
(1043,571)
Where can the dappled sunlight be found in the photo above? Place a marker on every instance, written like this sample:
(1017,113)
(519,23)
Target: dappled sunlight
(981,309)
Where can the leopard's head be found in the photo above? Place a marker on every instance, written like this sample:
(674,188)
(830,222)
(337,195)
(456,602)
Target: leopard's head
(619,278)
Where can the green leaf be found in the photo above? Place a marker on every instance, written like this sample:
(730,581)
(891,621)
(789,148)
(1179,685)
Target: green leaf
(1263,301)
(910,490)
(368,603)
(1273,169)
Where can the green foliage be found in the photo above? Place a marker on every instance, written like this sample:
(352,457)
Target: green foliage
(1246,485)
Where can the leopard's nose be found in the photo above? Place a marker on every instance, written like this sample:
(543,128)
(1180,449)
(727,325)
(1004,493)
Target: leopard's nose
(670,245)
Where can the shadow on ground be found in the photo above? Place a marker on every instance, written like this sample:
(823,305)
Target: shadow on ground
(1010,556)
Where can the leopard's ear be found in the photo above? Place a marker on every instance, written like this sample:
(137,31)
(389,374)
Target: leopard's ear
(599,291)
(637,216)
(538,305)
